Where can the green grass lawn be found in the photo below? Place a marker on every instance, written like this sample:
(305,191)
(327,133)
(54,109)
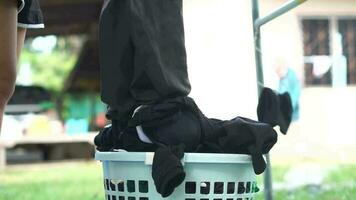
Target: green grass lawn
(69,181)
(339,184)
(83,181)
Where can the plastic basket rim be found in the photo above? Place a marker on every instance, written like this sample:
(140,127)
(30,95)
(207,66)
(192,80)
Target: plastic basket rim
(147,157)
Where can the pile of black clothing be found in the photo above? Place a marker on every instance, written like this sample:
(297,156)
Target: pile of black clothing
(144,82)
(173,126)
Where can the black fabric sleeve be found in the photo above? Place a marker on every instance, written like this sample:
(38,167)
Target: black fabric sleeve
(20,5)
(30,14)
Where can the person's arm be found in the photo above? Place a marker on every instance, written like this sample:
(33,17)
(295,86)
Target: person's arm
(11,41)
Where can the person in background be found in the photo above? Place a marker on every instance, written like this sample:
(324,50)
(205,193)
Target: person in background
(289,82)
(15,17)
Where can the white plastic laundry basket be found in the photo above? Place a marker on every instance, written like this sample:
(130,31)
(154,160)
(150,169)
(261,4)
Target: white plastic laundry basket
(127,176)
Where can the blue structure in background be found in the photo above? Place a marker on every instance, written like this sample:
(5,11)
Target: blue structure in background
(290,83)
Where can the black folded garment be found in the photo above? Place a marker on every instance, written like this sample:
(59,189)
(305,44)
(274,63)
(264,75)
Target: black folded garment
(105,139)
(275,109)
(114,137)
(249,137)
(167,169)
(169,123)
(179,122)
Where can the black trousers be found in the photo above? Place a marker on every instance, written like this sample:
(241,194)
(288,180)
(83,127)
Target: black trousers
(142,54)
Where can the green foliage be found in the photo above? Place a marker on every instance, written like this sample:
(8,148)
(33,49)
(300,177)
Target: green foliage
(51,69)
(84,181)
(307,193)
(339,184)
(340,173)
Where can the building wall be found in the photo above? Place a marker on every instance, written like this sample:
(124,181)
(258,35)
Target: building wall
(283,36)
(326,113)
(328,8)
(220,49)
(280,38)
(221,63)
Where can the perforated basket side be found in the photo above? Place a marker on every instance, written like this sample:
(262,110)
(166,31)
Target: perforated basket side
(131,179)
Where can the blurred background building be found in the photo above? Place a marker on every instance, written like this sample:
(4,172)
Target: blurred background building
(56,109)
(317,40)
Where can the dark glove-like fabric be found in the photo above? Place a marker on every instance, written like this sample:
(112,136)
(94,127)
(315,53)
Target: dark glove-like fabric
(169,123)
(104,141)
(110,137)
(167,169)
(249,137)
(131,142)
(275,109)
(116,136)
(287,110)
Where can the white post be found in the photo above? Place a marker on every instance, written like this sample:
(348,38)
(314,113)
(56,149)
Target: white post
(2,157)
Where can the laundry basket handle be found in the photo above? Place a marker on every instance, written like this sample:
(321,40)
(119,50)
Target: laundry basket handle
(149,158)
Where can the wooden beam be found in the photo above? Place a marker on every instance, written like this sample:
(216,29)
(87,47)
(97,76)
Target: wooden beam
(86,61)
(63,15)
(71,2)
(70,29)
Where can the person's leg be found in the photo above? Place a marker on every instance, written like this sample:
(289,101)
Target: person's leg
(116,57)
(8,51)
(21,34)
(160,60)
(142,53)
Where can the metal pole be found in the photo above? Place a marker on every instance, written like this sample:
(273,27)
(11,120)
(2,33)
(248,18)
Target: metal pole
(2,157)
(258,53)
(260,82)
(278,12)
(257,23)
